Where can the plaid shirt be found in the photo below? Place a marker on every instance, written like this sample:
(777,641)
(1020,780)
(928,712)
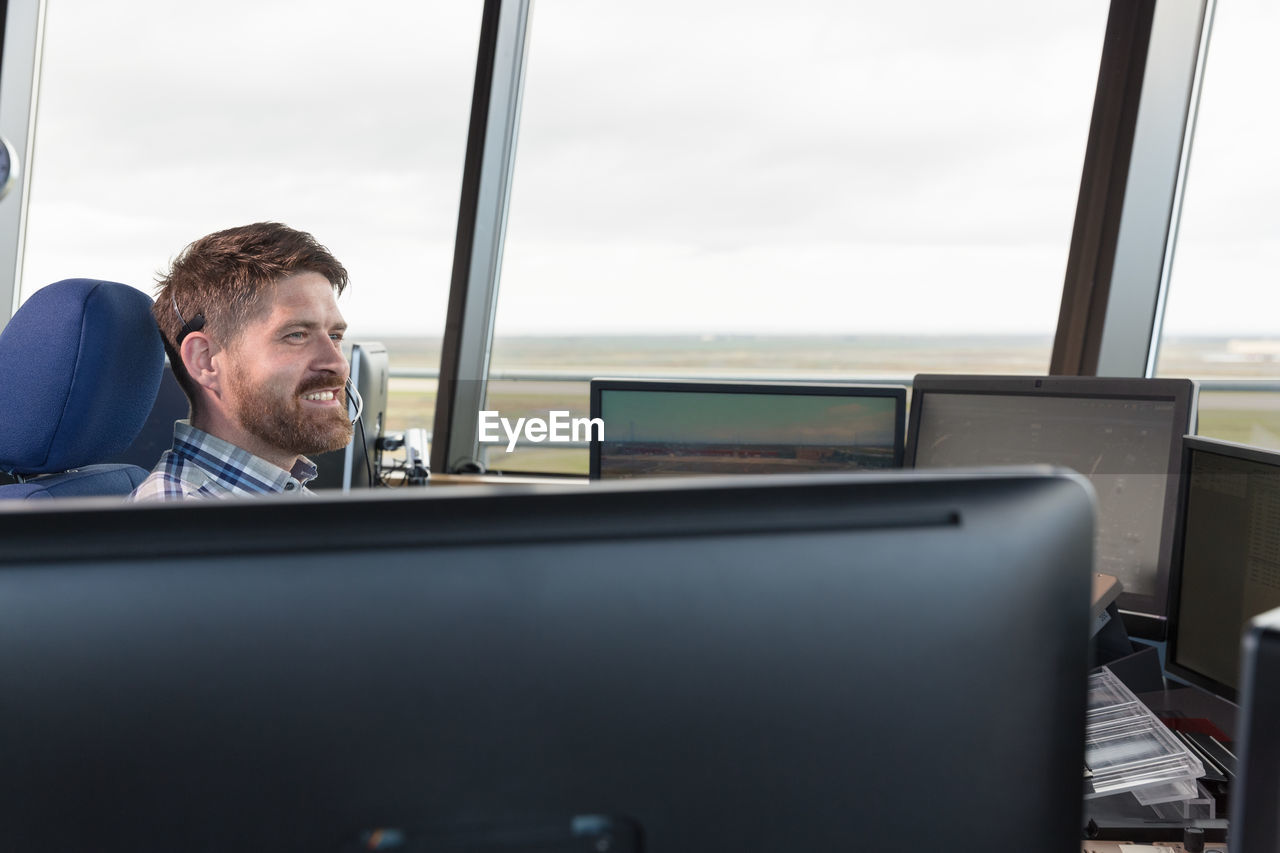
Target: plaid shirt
(203,466)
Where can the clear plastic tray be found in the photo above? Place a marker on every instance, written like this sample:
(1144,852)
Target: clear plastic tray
(1127,748)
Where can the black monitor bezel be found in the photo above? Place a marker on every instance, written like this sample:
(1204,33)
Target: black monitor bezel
(698,386)
(1145,616)
(1255,790)
(1192,445)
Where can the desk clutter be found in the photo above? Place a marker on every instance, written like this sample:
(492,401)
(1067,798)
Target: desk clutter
(1130,752)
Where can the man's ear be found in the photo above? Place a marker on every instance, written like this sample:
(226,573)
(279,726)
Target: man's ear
(198,355)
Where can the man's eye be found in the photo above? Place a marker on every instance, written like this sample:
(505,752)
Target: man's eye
(336,337)
(295,336)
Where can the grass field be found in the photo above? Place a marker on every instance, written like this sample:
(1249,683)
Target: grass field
(1242,417)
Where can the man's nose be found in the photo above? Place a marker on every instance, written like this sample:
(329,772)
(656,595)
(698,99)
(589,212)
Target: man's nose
(331,358)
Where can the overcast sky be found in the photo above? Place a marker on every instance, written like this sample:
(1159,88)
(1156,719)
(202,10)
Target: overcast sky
(682,166)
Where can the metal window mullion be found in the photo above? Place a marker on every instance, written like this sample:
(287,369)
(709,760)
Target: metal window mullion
(19,88)
(1153,189)
(482,220)
(1184,165)
(1103,174)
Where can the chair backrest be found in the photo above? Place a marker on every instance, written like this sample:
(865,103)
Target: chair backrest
(156,435)
(80,363)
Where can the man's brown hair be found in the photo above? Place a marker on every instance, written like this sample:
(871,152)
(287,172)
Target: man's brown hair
(227,278)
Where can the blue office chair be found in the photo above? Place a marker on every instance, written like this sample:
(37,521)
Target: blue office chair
(80,363)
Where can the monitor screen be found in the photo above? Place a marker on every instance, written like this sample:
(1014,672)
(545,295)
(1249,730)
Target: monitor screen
(678,660)
(356,465)
(1125,435)
(1227,569)
(1255,820)
(670,429)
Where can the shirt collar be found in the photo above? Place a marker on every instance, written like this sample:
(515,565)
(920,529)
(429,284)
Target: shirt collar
(234,467)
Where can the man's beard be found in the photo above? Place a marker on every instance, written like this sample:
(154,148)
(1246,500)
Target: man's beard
(285,424)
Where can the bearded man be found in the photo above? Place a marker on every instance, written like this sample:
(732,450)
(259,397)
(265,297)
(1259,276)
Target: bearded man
(250,320)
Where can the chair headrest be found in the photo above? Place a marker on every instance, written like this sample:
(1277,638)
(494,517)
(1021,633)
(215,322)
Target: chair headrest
(80,363)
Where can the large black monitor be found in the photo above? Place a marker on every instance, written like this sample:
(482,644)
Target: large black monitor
(356,465)
(1227,568)
(1125,435)
(656,428)
(750,663)
(1255,794)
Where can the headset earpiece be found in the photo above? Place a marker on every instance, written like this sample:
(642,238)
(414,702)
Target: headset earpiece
(196,324)
(353,399)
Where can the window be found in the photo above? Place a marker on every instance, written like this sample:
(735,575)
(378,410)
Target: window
(818,190)
(1221,321)
(160,122)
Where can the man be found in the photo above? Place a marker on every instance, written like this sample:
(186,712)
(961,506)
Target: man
(250,320)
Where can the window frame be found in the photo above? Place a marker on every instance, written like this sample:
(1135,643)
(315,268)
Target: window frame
(1118,263)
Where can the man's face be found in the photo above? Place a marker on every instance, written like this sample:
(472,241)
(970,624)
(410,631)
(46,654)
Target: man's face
(286,373)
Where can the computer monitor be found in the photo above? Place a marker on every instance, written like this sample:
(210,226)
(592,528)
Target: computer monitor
(1125,435)
(747,663)
(356,465)
(1226,569)
(1255,820)
(667,429)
